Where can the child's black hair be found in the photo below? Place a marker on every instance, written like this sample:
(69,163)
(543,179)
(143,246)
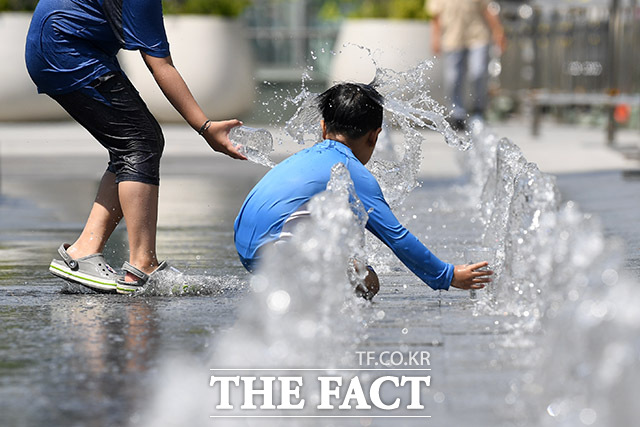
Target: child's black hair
(351,109)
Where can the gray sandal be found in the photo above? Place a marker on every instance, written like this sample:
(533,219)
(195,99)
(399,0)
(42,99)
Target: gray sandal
(91,271)
(125,287)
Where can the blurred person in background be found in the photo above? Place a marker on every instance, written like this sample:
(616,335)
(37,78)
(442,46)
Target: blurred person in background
(463,30)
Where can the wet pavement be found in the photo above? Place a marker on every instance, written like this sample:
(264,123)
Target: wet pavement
(68,357)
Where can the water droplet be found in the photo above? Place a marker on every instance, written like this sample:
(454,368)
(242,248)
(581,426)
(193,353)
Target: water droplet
(256,144)
(573,295)
(588,416)
(609,277)
(279,301)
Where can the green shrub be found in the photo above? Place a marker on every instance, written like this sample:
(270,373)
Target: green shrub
(393,9)
(228,8)
(17,5)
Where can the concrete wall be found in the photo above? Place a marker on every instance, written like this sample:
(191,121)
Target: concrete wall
(19,99)
(215,59)
(365,44)
(211,53)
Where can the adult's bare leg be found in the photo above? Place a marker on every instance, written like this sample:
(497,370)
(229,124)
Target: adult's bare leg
(105,215)
(139,203)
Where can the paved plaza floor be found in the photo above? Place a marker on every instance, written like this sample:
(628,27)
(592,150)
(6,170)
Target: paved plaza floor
(69,358)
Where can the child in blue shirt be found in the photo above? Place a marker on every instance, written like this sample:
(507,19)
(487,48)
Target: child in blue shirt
(352,120)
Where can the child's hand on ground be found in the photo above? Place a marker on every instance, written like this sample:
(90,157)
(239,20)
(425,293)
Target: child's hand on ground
(468,276)
(217,136)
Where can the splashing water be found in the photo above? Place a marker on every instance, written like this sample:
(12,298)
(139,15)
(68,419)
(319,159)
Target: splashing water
(174,283)
(539,244)
(596,355)
(177,283)
(556,272)
(407,105)
(292,317)
(256,144)
(306,120)
(313,298)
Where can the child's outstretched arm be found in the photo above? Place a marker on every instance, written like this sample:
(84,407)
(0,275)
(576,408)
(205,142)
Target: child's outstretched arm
(177,92)
(468,276)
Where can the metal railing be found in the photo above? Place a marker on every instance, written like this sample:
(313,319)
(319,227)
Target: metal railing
(572,53)
(560,52)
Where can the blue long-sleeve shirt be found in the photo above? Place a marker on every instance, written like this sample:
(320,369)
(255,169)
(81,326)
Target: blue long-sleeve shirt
(292,183)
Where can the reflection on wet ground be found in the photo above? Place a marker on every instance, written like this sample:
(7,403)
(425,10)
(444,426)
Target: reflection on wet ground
(70,356)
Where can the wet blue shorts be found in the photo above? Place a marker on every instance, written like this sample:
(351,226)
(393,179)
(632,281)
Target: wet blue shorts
(111,109)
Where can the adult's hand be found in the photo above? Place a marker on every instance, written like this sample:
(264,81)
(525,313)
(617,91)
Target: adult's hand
(217,136)
(436,33)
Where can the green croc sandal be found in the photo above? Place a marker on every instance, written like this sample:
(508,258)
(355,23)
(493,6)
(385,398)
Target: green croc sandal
(91,271)
(125,287)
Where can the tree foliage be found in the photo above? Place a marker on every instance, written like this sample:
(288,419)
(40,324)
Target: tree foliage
(18,5)
(390,9)
(228,8)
